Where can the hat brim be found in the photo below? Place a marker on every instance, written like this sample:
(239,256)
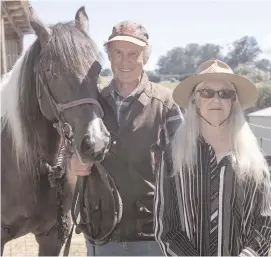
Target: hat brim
(128,39)
(247,92)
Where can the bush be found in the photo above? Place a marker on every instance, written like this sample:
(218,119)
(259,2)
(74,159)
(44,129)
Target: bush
(153,77)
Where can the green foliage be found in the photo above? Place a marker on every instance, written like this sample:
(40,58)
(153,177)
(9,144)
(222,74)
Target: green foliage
(242,56)
(185,60)
(264,65)
(264,99)
(244,50)
(153,77)
(179,60)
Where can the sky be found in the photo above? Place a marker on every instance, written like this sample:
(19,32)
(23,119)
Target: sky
(169,23)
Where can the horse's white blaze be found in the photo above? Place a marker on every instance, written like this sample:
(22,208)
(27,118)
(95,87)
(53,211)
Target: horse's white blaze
(97,134)
(9,103)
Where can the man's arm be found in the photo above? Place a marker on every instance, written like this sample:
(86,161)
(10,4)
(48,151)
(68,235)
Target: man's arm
(173,121)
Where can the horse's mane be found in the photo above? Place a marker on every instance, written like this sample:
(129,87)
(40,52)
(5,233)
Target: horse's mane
(33,136)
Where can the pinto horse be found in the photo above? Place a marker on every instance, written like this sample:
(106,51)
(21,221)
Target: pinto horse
(52,85)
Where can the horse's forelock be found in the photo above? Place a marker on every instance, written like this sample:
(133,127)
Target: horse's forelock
(74,50)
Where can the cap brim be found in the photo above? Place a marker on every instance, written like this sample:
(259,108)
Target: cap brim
(128,39)
(246,91)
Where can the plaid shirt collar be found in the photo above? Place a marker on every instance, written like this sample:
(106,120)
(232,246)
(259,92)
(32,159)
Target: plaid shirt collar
(121,104)
(144,84)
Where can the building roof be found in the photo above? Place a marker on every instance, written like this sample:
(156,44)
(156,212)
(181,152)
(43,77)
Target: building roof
(15,15)
(263,113)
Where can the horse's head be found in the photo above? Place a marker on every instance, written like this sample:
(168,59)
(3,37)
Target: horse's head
(66,74)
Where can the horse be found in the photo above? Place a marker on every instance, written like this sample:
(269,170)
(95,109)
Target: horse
(49,97)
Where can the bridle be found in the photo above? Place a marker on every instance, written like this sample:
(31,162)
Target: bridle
(59,108)
(57,173)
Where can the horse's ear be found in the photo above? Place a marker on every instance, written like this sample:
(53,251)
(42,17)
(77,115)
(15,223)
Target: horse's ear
(42,31)
(81,20)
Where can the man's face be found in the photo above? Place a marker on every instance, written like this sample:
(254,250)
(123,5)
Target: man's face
(127,61)
(213,107)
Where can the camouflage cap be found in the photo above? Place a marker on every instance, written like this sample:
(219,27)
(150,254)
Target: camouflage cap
(129,31)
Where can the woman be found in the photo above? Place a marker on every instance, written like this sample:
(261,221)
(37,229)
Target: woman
(214,197)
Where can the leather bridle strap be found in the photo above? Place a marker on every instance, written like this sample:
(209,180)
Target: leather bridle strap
(59,108)
(62,107)
(78,203)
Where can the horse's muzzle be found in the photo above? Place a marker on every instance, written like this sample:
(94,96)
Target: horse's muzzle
(94,149)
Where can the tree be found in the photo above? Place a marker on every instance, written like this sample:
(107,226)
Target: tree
(192,56)
(172,62)
(254,74)
(264,99)
(153,77)
(106,72)
(210,51)
(181,60)
(263,83)
(264,65)
(244,50)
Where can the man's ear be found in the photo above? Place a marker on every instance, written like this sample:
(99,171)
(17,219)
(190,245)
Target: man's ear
(145,59)
(107,50)
(109,56)
(146,54)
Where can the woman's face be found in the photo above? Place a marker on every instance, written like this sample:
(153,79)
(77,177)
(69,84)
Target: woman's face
(214,100)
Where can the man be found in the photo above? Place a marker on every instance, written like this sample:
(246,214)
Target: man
(143,117)
(217,201)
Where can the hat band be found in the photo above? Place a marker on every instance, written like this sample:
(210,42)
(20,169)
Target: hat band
(129,35)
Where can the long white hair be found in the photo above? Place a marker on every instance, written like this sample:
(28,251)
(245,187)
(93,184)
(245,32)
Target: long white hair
(247,157)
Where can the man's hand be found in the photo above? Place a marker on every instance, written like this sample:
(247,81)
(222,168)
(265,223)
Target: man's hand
(79,168)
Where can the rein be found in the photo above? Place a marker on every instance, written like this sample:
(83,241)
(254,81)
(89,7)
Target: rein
(56,177)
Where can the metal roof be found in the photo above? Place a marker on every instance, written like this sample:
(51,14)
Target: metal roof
(263,112)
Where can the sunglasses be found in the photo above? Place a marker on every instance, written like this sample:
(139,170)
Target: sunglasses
(222,93)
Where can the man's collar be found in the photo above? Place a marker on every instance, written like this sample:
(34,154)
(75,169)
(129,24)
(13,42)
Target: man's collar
(144,85)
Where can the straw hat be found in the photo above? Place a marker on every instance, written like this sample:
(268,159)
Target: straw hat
(215,69)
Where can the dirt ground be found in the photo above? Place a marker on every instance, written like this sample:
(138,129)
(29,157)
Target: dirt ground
(27,246)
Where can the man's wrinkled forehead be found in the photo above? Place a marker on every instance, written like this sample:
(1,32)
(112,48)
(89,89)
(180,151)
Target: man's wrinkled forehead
(124,46)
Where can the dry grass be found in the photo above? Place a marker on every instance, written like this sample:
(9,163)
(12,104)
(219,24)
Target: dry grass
(27,246)
(168,84)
